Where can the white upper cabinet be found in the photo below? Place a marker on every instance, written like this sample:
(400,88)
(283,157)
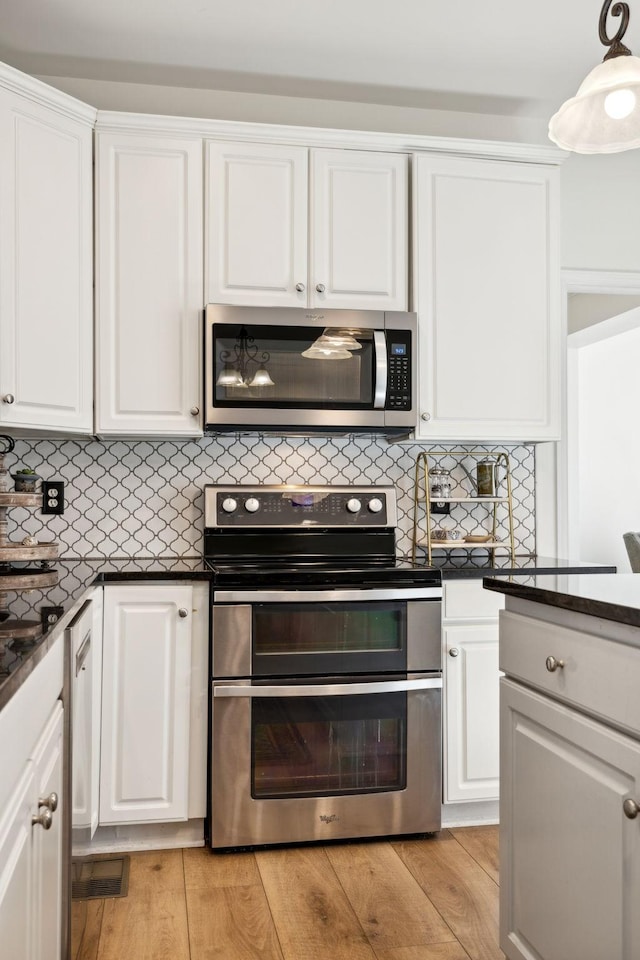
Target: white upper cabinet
(148,285)
(487,275)
(288,226)
(256,239)
(46,258)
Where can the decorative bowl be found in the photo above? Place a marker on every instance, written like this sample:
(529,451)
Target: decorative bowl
(478,538)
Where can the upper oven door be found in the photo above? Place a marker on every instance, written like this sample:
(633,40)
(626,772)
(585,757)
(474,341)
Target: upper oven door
(301,633)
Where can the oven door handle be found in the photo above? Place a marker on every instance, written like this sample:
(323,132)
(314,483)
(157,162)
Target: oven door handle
(362,595)
(327,689)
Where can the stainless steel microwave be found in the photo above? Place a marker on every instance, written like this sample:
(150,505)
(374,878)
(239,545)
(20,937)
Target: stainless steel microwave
(292,370)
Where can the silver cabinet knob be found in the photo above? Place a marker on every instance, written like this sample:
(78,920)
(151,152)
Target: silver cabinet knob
(8,398)
(454,652)
(44,818)
(631,808)
(425,416)
(50,802)
(320,287)
(300,287)
(194,411)
(183,612)
(552,664)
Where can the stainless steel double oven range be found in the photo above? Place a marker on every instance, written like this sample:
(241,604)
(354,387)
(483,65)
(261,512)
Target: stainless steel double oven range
(326,669)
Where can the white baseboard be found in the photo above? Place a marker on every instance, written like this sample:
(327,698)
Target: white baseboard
(148,836)
(474,813)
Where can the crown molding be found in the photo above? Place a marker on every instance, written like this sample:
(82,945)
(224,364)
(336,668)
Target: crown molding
(25,86)
(165,126)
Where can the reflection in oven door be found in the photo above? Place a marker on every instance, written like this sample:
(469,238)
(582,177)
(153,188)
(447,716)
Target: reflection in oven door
(326,760)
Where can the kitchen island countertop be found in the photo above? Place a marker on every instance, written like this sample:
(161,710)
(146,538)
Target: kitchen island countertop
(615,598)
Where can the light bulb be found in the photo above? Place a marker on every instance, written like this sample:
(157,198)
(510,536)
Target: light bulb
(619,103)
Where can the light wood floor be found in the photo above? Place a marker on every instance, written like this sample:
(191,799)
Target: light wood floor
(428,899)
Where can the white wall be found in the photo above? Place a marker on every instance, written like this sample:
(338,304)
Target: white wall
(601,211)
(608,469)
(301,111)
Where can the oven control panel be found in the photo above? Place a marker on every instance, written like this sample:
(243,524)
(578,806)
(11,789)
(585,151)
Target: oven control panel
(299,506)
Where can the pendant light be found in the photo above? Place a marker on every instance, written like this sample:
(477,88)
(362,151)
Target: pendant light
(604,115)
(235,372)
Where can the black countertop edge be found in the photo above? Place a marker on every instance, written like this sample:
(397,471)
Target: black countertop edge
(526,566)
(615,598)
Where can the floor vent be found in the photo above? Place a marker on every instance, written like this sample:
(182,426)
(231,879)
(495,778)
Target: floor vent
(99,877)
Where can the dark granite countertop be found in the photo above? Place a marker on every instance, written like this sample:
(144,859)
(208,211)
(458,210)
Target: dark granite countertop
(614,598)
(453,567)
(75,576)
(19,658)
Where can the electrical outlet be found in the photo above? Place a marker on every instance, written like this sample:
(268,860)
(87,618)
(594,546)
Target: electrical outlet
(52,496)
(439,506)
(50,615)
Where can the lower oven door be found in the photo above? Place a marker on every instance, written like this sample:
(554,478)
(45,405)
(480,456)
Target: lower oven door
(325,761)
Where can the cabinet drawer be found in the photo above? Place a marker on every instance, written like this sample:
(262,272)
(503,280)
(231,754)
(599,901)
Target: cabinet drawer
(599,676)
(468,600)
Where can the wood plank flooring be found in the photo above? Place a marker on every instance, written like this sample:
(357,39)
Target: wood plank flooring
(429,899)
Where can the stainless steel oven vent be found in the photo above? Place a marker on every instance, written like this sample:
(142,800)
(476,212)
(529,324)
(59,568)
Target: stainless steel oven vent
(99,877)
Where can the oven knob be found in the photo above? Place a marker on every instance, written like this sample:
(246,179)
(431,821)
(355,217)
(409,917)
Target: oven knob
(353,505)
(252,504)
(229,504)
(375,505)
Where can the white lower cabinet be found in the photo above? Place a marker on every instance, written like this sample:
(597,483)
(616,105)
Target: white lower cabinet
(147,704)
(569,884)
(32,803)
(471,692)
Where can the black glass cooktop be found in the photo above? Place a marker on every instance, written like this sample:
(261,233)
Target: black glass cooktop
(320,573)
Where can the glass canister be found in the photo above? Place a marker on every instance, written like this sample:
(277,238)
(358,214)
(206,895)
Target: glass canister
(485,478)
(440,484)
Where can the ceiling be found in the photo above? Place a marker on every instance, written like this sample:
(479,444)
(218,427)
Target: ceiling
(496,56)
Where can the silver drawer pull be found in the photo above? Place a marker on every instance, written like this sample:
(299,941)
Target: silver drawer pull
(50,802)
(631,808)
(44,818)
(183,612)
(552,664)
(454,652)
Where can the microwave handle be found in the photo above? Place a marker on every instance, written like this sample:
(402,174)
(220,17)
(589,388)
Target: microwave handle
(380,347)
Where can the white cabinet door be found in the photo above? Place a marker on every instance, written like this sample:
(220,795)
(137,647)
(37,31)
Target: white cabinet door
(291,227)
(47,849)
(85,635)
(486,273)
(471,721)
(144,769)
(359,230)
(17,934)
(569,858)
(148,285)
(256,233)
(46,268)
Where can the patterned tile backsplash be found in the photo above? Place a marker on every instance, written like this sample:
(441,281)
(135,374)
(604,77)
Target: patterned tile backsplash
(144,498)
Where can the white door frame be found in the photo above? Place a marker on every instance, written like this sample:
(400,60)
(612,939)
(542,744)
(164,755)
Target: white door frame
(567,475)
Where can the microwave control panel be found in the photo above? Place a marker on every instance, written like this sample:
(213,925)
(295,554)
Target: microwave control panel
(399,370)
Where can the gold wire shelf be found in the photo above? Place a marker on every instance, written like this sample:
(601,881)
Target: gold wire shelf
(422,493)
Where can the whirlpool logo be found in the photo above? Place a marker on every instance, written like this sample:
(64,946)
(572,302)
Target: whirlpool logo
(328,818)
